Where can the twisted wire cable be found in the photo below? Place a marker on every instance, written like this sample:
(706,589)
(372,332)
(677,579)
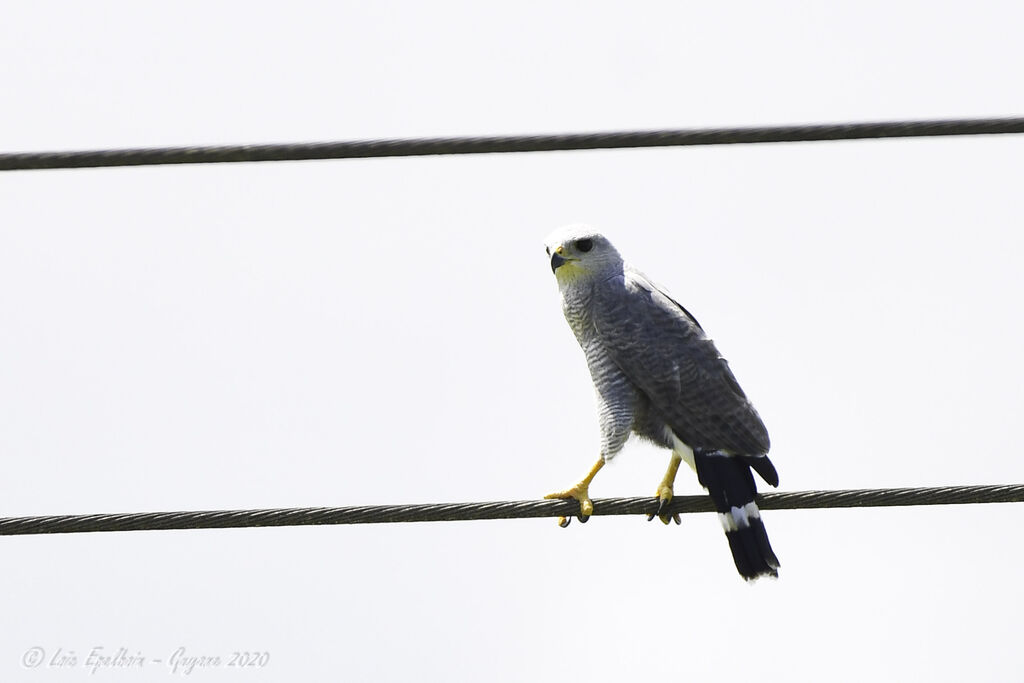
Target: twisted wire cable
(449,512)
(506,144)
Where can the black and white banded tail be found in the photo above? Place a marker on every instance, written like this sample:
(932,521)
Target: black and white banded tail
(730,482)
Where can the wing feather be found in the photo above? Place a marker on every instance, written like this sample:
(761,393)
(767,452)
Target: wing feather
(660,347)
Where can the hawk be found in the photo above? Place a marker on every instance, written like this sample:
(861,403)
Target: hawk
(658,375)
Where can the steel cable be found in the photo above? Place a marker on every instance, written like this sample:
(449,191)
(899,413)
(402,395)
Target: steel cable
(506,144)
(449,512)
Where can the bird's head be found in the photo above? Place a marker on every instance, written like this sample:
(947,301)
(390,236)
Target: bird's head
(578,252)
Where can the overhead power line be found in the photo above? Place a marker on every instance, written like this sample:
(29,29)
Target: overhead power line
(450,512)
(512,143)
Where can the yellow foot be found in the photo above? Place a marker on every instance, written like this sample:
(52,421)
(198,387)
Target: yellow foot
(664,495)
(580,493)
(664,492)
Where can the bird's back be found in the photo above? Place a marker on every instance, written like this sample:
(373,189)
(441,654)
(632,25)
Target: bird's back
(662,349)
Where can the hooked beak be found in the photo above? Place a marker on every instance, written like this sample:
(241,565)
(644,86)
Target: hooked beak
(557,259)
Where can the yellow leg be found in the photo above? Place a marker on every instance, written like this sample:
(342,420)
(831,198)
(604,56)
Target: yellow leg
(580,492)
(664,492)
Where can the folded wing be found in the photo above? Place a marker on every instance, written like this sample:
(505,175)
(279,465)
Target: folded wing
(664,352)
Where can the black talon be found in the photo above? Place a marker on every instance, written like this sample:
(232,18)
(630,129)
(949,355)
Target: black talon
(675,518)
(583,520)
(651,516)
(564,521)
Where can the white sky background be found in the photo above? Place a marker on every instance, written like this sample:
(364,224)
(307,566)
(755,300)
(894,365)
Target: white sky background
(388,331)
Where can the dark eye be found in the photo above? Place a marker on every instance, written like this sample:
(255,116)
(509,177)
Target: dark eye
(584,245)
